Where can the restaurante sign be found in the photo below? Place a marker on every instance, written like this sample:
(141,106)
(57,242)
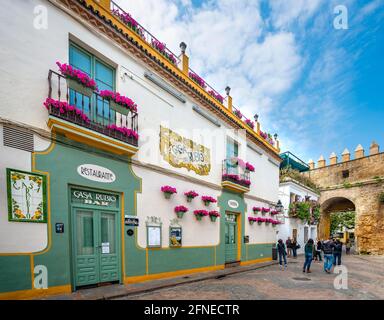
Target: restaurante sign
(96,173)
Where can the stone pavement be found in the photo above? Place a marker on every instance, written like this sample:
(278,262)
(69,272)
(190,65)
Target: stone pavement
(365,282)
(116,291)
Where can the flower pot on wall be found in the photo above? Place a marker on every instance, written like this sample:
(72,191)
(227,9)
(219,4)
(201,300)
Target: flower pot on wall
(167,195)
(251,222)
(189,199)
(198,217)
(180,214)
(259,223)
(118,108)
(213,218)
(78,87)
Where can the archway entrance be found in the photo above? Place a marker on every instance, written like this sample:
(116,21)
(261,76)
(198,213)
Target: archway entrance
(336,205)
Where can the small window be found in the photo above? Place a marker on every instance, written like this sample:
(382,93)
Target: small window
(346,174)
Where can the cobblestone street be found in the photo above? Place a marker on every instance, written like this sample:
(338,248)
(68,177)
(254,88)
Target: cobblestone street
(365,282)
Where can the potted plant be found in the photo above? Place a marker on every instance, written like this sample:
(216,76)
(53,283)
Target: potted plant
(215,95)
(250,123)
(196,78)
(274,212)
(199,214)
(238,114)
(191,195)
(62,107)
(256,209)
(260,220)
(245,182)
(119,103)
(208,200)
(214,215)
(252,220)
(77,80)
(264,210)
(249,167)
(180,210)
(268,221)
(168,191)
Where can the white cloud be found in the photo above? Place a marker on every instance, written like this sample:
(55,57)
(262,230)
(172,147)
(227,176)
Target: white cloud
(286,12)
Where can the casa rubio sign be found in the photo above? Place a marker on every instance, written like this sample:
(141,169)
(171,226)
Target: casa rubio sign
(96,173)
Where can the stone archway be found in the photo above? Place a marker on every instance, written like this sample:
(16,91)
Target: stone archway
(329,206)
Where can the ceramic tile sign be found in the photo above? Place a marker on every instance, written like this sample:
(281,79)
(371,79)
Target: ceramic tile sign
(26,196)
(180,152)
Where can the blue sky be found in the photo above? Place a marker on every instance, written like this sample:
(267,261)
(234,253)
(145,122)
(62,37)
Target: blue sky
(319,88)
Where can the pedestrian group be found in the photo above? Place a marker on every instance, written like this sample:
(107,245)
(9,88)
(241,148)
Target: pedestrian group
(331,248)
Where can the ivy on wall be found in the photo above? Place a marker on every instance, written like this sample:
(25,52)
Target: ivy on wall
(308,211)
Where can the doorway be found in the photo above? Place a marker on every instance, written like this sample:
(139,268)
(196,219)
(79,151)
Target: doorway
(95,238)
(231,237)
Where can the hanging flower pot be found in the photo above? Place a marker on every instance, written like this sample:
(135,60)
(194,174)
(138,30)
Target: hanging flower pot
(168,191)
(256,209)
(264,210)
(77,80)
(208,200)
(191,195)
(214,215)
(180,210)
(251,220)
(78,87)
(119,103)
(199,214)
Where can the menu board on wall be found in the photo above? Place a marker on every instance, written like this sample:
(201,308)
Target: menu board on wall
(154,236)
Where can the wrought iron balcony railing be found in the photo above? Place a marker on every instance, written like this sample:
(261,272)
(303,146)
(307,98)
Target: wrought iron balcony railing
(231,172)
(92,112)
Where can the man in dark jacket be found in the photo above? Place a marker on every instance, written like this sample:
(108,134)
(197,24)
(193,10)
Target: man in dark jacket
(328,247)
(318,248)
(338,249)
(282,253)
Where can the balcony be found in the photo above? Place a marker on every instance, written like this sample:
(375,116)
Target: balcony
(89,118)
(234,177)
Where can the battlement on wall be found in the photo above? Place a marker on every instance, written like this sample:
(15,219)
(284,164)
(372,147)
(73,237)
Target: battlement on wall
(374,149)
(361,168)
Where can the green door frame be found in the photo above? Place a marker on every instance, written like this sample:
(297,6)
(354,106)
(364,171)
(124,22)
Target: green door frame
(119,238)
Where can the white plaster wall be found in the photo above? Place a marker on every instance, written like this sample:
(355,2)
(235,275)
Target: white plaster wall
(151,202)
(18,237)
(258,233)
(285,230)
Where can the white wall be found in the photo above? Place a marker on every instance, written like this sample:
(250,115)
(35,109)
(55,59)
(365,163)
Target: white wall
(18,237)
(286,229)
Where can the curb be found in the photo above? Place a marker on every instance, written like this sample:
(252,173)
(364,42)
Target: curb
(179,282)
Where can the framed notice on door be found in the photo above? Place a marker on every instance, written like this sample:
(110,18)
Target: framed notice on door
(153,236)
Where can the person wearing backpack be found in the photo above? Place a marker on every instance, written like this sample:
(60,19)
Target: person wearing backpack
(338,249)
(328,247)
(308,251)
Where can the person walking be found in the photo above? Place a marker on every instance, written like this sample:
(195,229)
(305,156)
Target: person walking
(288,244)
(281,249)
(328,255)
(318,251)
(295,246)
(348,247)
(308,251)
(338,249)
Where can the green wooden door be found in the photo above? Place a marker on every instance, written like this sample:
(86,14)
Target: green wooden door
(97,258)
(230,237)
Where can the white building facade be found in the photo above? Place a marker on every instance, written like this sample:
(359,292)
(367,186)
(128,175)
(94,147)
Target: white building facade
(81,177)
(291,191)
